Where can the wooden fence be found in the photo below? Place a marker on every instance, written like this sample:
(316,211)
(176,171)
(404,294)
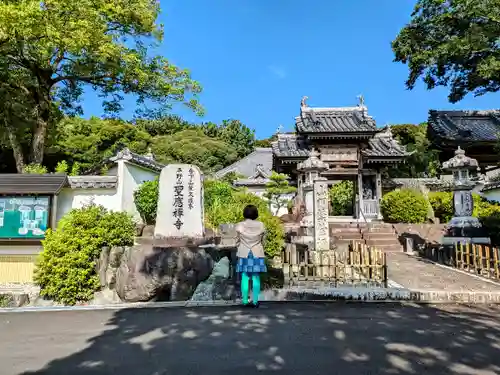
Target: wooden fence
(478,259)
(359,265)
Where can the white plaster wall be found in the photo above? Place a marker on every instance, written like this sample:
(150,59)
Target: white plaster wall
(76,198)
(492,195)
(129,179)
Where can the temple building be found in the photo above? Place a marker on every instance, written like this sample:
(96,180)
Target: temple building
(476,132)
(349,146)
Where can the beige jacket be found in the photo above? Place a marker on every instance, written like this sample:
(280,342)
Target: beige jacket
(250,236)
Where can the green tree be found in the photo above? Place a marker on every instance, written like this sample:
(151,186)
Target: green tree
(166,125)
(341,198)
(51,50)
(452,43)
(277,191)
(233,132)
(194,147)
(424,161)
(89,142)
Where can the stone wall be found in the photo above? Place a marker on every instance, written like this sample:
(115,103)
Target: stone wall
(421,234)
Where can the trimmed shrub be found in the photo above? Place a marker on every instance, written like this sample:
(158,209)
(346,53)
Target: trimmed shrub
(404,206)
(66,268)
(146,200)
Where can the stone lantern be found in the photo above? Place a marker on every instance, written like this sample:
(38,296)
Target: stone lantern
(463,227)
(309,171)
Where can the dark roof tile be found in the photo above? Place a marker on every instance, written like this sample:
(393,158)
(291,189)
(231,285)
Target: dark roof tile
(471,126)
(290,145)
(337,120)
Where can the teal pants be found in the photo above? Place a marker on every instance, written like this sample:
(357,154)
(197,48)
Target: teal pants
(245,286)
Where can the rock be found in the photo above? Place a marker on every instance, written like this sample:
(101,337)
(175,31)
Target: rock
(217,286)
(105,297)
(165,273)
(13,300)
(148,231)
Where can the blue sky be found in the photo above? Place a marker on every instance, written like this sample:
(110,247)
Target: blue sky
(256,59)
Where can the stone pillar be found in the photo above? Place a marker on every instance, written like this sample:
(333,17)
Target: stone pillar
(359,214)
(378,184)
(321,230)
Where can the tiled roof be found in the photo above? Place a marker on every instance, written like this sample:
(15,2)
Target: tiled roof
(336,120)
(290,145)
(262,156)
(491,186)
(146,161)
(471,126)
(384,146)
(92,182)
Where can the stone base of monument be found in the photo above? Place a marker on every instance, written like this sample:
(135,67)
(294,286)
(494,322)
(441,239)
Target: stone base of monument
(467,229)
(157,269)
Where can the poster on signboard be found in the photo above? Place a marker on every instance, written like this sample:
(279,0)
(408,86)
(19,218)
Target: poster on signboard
(24,217)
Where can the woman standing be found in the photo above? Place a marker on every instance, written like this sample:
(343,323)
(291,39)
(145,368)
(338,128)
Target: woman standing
(250,253)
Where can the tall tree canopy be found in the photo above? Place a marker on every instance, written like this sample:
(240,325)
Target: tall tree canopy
(424,161)
(50,50)
(452,43)
(194,147)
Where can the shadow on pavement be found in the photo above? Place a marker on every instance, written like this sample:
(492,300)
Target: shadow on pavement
(316,338)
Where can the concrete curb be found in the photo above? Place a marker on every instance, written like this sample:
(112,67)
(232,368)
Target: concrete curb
(358,295)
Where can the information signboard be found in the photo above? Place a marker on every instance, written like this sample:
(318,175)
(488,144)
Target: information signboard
(24,217)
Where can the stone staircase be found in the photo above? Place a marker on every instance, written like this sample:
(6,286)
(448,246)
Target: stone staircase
(379,235)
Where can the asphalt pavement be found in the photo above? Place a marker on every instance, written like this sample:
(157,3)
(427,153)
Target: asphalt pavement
(291,338)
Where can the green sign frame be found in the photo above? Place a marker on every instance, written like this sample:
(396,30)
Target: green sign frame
(24,217)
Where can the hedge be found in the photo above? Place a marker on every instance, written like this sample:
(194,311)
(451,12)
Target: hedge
(404,206)
(66,268)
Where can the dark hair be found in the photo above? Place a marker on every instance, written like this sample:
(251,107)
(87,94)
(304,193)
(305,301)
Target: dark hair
(250,212)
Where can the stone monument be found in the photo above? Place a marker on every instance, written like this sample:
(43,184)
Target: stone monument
(463,227)
(310,169)
(321,230)
(180,202)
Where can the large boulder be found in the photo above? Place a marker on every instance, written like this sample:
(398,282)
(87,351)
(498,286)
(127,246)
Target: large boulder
(149,272)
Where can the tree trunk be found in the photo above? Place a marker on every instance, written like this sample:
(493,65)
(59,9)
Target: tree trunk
(40,130)
(17,150)
(38,142)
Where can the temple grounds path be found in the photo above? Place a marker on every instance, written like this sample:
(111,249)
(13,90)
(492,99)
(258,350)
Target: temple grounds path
(291,338)
(420,274)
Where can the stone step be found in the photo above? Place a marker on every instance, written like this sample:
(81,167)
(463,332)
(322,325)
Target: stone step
(382,242)
(379,230)
(376,235)
(344,225)
(348,236)
(334,230)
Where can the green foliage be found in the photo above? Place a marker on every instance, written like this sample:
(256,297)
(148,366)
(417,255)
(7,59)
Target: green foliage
(266,142)
(66,268)
(231,177)
(228,208)
(35,169)
(146,200)
(51,51)
(424,161)
(62,167)
(442,204)
(341,198)
(404,206)
(277,190)
(194,147)
(452,43)
(234,133)
(88,142)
